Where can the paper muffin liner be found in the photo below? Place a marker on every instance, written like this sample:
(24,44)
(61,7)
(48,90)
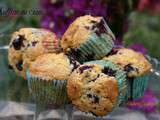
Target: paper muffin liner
(138,87)
(96,47)
(120,77)
(47,92)
(128,94)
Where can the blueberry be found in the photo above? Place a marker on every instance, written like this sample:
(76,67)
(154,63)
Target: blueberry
(128,68)
(84,67)
(108,71)
(18,43)
(34,43)
(10,66)
(19,65)
(89,95)
(95,99)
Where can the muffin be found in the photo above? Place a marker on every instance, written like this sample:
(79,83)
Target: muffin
(136,66)
(47,78)
(27,44)
(88,38)
(97,87)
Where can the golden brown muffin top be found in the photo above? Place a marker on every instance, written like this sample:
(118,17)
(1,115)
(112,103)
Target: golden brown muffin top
(92,91)
(51,67)
(27,44)
(131,61)
(79,31)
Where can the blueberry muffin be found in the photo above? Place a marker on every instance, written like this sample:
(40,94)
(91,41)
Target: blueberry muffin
(88,38)
(28,43)
(47,78)
(134,63)
(97,87)
(136,66)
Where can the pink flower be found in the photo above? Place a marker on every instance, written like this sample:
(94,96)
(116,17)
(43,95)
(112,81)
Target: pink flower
(152,6)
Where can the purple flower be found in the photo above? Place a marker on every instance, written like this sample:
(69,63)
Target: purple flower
(152,6)
(147,103)
(119,41)
(59,14)
(76,5)
(139,48)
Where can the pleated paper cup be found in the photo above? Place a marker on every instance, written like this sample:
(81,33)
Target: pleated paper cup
(137,86)
(47,92)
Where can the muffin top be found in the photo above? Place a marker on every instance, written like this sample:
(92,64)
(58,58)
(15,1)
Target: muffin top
(52,66)
(92,89)
(134,63)
(81,29)
(27,44)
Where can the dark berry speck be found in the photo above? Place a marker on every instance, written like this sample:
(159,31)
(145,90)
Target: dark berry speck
(10,66)
(87,27)
(19,65)
(89,95)
(34,43)
(18,43)
(128,68)
(84,67)
(108,71)
(95,99)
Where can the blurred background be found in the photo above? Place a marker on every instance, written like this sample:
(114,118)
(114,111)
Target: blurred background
(135,23)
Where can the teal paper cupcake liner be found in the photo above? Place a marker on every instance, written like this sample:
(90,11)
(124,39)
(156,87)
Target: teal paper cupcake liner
(138,87)
(96,47)
(120,77)
(47,92)
(128,94)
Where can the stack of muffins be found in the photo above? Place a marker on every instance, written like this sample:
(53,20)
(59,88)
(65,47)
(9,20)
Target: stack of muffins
(84,68)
